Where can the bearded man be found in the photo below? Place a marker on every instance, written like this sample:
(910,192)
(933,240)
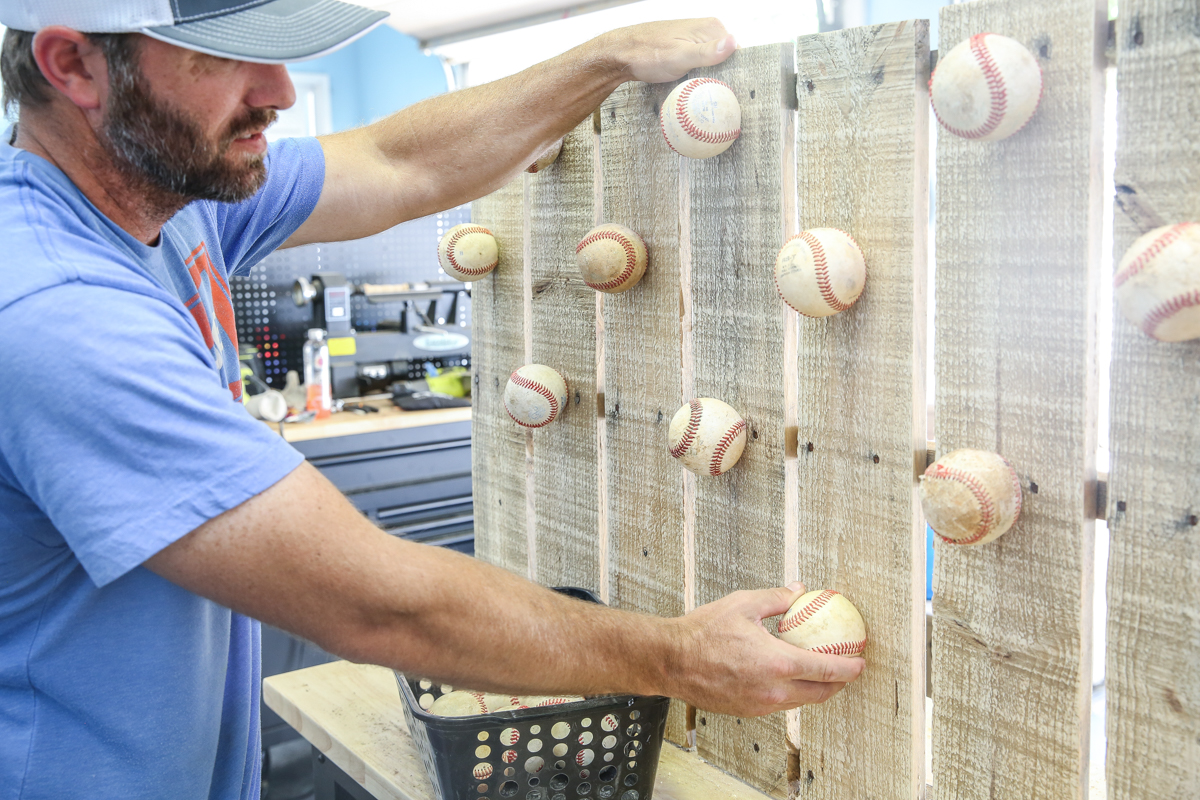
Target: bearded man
(146,520)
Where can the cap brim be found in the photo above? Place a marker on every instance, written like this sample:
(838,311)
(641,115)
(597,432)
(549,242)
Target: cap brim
(277,32)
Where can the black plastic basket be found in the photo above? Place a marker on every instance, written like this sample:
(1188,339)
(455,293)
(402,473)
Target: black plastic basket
(605,747)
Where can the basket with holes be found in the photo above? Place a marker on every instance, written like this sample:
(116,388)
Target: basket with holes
(602,747)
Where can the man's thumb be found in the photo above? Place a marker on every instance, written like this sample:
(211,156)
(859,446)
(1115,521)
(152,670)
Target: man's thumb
(716,51)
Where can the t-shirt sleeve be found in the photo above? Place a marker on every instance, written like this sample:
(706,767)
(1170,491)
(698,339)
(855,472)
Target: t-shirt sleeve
(127,440)
(249,231)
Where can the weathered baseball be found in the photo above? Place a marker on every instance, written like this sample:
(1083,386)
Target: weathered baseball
(824,622)
(482,771)
(459,704)
(535,395)
(548,157)
(707,436)
(970,496)
(820,272)
(1158,282)
(542,701)
(468,252)
(701,118)
(611,258)
(986,88)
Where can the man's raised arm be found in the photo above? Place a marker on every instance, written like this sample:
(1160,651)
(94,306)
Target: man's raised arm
(456,147)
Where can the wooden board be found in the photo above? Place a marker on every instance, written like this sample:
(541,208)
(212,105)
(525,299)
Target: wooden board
(1153,683)
(861,166)
(498,445)
(1018,240)
(565,496)
(736,203)
(642,365)
(387,418)
(352,713)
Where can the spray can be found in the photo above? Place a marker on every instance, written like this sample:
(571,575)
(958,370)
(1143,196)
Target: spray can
(317,380)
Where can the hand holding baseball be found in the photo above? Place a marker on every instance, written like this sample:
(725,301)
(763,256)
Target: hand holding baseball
(752,672)
(657,52)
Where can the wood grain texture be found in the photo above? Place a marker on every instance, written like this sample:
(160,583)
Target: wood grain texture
(736,229)
(565,496)
(862,161)
(642,365)
(1153,683)
(1018,239)
(498,443)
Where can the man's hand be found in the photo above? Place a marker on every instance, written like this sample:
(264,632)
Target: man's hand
(734,666)
(656,52)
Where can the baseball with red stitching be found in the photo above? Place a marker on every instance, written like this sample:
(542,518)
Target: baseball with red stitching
(970,496)
(611,258)
(1157,284)
(468,252)
(548,157)
(707,436)
(459,704)
(535,395)
(701,118)
(824,621)
(820,272)
(986,87)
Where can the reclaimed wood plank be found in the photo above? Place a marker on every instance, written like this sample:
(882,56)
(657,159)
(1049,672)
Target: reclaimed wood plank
(1018,242)
(565,495)
(1153,685)
(737,222)
(642,365)
(497,443)
(862,166)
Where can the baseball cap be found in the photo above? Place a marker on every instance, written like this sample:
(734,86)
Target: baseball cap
(265,31)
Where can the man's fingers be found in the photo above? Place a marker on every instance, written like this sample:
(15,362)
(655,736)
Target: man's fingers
(824,668)
(773,602)
(714,52)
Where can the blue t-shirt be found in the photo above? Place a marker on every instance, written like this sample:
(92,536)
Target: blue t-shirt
(121,430)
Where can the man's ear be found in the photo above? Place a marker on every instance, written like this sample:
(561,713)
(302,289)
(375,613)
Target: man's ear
(72,64)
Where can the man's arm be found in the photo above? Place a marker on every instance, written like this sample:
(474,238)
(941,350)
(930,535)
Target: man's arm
(456,147)
(300,557)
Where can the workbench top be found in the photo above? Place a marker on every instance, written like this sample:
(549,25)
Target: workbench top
(387,418)
(352,713)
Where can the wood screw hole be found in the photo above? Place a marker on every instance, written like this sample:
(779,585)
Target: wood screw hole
(496,382)
(1120,505)
(756,748)
(1192,520)
(577,398)
(809,447)
(646,552)
(753,434)
(751,94)
(809,85)
(875,459)
(739,722)
(1139,38)
(660,416)
(810,776)
(616,408)
(1033,487)
(1044,51)
(703,720)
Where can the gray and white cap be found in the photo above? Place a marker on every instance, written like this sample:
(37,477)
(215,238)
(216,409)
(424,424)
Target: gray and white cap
(265,31)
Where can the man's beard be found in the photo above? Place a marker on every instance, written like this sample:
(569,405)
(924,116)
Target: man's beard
(161,148)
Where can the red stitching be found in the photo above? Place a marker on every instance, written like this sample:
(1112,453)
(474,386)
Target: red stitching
(840,648)
(714,466)
(630,256)
(526,383)
(685,120)
(996,90)
(1169,237)
(822,270)
(987,508)
(804,614)
(689,434)
(1169,309)
(454,237)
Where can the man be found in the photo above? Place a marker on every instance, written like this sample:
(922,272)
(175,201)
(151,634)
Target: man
(139,503)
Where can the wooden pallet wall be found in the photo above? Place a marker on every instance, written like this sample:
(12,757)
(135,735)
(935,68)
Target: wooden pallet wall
(1153,682)
(1018,244)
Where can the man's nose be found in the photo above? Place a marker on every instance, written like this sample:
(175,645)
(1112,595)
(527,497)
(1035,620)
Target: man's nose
(271,87)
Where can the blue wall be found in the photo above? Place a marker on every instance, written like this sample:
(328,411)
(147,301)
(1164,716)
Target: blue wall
(382,72)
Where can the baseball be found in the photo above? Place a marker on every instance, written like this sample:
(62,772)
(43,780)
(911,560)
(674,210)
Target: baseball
(701,118)
(483,771)
(1158,282)
(824,622)
(611,258)
(820,272)
(986,88)
(459,704)
(548,157)
(970,496)
(535,395)
(468,252)
(707,436)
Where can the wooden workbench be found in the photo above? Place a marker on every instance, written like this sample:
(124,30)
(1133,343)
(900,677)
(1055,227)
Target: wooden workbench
(388,418)
(352,713)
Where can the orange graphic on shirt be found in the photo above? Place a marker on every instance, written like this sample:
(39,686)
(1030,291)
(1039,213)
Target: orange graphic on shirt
(201,269)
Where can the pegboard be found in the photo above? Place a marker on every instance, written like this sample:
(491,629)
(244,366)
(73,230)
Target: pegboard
(407,253)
